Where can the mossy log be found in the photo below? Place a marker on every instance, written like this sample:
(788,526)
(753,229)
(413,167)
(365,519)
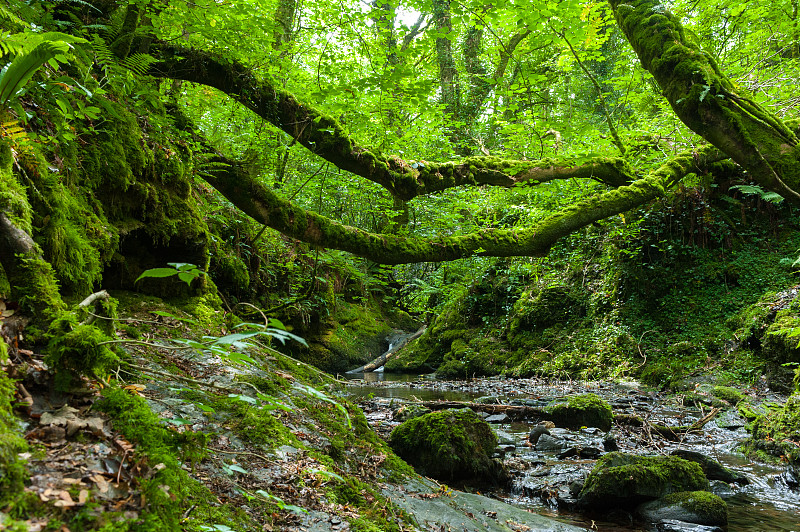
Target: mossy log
(261,203)
(707,101)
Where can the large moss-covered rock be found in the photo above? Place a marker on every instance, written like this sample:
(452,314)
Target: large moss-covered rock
(450,445)
(621,479)
(699,507)
(585,410)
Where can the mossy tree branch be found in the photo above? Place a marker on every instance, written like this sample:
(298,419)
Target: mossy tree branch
(706,100)
(264,206)
(324,136)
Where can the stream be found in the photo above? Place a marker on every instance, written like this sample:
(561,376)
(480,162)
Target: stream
(540,480)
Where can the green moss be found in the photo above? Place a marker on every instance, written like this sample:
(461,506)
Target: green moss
(626,480)
(76,350)
(710,508)
(160,445)
(777,431)
(586,410)
(12,468)
(731,395)
(448,445)
(13,196)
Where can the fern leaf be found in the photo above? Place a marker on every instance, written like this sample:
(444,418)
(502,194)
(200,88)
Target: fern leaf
(17,74)
(138,63)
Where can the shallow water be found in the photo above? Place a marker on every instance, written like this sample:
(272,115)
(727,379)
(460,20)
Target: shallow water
(766,504)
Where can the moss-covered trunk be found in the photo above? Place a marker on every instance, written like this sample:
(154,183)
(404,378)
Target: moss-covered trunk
(706,100)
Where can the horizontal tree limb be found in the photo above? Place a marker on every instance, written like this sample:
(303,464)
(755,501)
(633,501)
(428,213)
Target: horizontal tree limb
(324,136)
(265,206)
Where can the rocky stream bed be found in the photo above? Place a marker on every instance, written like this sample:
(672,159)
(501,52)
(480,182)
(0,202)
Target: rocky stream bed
(545,474)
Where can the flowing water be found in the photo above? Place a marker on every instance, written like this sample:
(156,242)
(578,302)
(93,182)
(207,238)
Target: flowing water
(766,504)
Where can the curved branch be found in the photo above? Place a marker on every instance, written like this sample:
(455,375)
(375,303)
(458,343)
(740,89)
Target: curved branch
(263,205)
(324,136)
(706,100)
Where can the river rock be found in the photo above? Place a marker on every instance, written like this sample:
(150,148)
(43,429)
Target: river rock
(548,443)
(409,411)
(504,438)
(497,418)
(451,445)
(536,432)
(730,420)
(712,469)
(698,507)
(585,410)
(673,525)
(610,443)
(791,477)
(620,479)
(581,452)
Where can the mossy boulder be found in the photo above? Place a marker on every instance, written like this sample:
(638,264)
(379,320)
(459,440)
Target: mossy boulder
(585,410)
(711,468)
(620,479)
(699,507)
(451,445)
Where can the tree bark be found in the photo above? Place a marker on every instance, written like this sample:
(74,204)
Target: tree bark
(706,100)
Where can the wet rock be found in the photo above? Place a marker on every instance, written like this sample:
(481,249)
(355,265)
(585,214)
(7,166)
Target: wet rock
(536,432)
(497,418)
(790,477)
(673,525)
(550,444)
(721,489)
(450,445)
(610,443)
(712,469)
(585,410)
(409,411)
(504,438)
(620,479)
(580,452)
(489,400)
(698,507)
(730,420)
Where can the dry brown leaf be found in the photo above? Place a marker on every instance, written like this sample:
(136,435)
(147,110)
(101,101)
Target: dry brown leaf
(83,496)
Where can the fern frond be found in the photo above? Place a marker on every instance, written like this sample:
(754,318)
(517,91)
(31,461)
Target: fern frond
(10,19)
(772,197)
(138,63)
(17,74)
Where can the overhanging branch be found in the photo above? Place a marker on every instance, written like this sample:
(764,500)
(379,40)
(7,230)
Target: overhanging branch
(264,206)
(324,136)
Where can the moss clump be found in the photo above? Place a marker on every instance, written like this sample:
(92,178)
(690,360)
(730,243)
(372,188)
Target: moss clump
(76,349)
(13,198)
(448,445)
(586,410)
(12,469)
(726,393)
(699,507)
(165,509)
(620,479)
(777,432)
(543,308)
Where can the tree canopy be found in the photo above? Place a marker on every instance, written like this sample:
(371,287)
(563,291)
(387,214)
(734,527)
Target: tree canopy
(434,130)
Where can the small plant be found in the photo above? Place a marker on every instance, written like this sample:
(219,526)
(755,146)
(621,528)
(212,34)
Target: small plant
(186,272)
